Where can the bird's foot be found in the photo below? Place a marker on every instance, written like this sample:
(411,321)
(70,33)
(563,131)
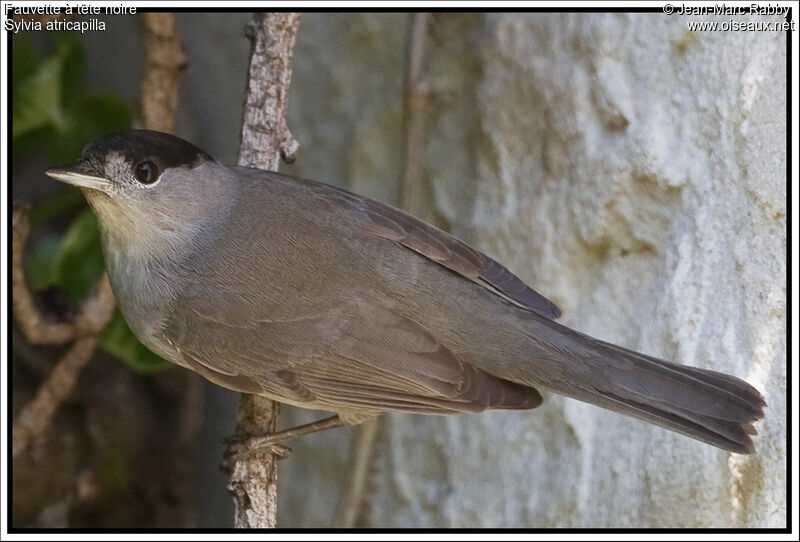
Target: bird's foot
(241,447)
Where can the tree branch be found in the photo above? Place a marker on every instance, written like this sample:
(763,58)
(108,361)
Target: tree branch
(35,416)
(350,503)
(34,326)
(265,138)
(94,314)
(165,62)
(417,101)
(265,135)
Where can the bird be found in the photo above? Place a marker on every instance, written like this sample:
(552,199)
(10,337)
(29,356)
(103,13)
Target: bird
(318,297)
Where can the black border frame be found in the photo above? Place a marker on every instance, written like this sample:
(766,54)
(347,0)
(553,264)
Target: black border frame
(510,530)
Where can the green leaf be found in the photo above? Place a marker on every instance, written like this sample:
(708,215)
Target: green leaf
(67,200)
(86,120)
(39,269)
(118,340)
(100,114)
(24,61)
(73,56)
(41,88)
(78,264)
(51,110)
(37,99)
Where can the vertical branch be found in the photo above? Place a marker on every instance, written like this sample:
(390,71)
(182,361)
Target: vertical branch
(349,509)
(265,138)
(416,97)
(165,61)
(265,135)
(253,480)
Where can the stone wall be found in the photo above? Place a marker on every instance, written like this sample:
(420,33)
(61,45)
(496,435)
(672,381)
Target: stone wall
(628,169)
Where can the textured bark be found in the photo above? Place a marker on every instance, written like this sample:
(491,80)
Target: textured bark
(254,477)
(265,135)
(265,138)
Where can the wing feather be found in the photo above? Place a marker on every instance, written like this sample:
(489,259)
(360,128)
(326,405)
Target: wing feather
(372,358)
(387,222)
(456,255)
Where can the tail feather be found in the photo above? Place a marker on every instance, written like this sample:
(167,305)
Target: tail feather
(708,393)
(731,436)
(707,405)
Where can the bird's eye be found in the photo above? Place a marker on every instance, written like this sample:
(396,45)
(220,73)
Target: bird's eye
(146,172)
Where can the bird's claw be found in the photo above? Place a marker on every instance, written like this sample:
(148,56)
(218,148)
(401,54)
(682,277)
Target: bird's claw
(240,448)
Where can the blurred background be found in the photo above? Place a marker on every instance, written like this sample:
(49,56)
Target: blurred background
(630,170)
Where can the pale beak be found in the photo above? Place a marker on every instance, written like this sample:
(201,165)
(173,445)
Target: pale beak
(82,180)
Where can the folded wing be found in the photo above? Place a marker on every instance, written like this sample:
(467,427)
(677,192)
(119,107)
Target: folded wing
(371,358)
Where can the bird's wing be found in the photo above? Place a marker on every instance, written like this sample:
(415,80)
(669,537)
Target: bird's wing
(387,222)
(363,356)
(454,254)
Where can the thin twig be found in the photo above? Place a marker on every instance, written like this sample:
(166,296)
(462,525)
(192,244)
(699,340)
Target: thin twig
(265,138)
(417,101)
(292,433)
(417,96)
(165,61)
(94,314)
(34,326)
(35,416)
(349,509)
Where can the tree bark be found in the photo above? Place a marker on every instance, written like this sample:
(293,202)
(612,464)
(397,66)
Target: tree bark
(265,139)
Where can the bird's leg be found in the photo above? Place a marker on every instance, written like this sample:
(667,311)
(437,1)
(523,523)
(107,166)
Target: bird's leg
(237,445)
(294,432)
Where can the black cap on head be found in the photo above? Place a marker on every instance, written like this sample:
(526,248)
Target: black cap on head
(137,145)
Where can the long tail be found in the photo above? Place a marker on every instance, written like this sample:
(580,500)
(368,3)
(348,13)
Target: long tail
(712,407)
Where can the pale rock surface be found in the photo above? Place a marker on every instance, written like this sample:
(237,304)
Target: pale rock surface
(629,170)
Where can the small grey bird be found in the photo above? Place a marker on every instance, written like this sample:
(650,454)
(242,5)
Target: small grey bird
(321,298)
